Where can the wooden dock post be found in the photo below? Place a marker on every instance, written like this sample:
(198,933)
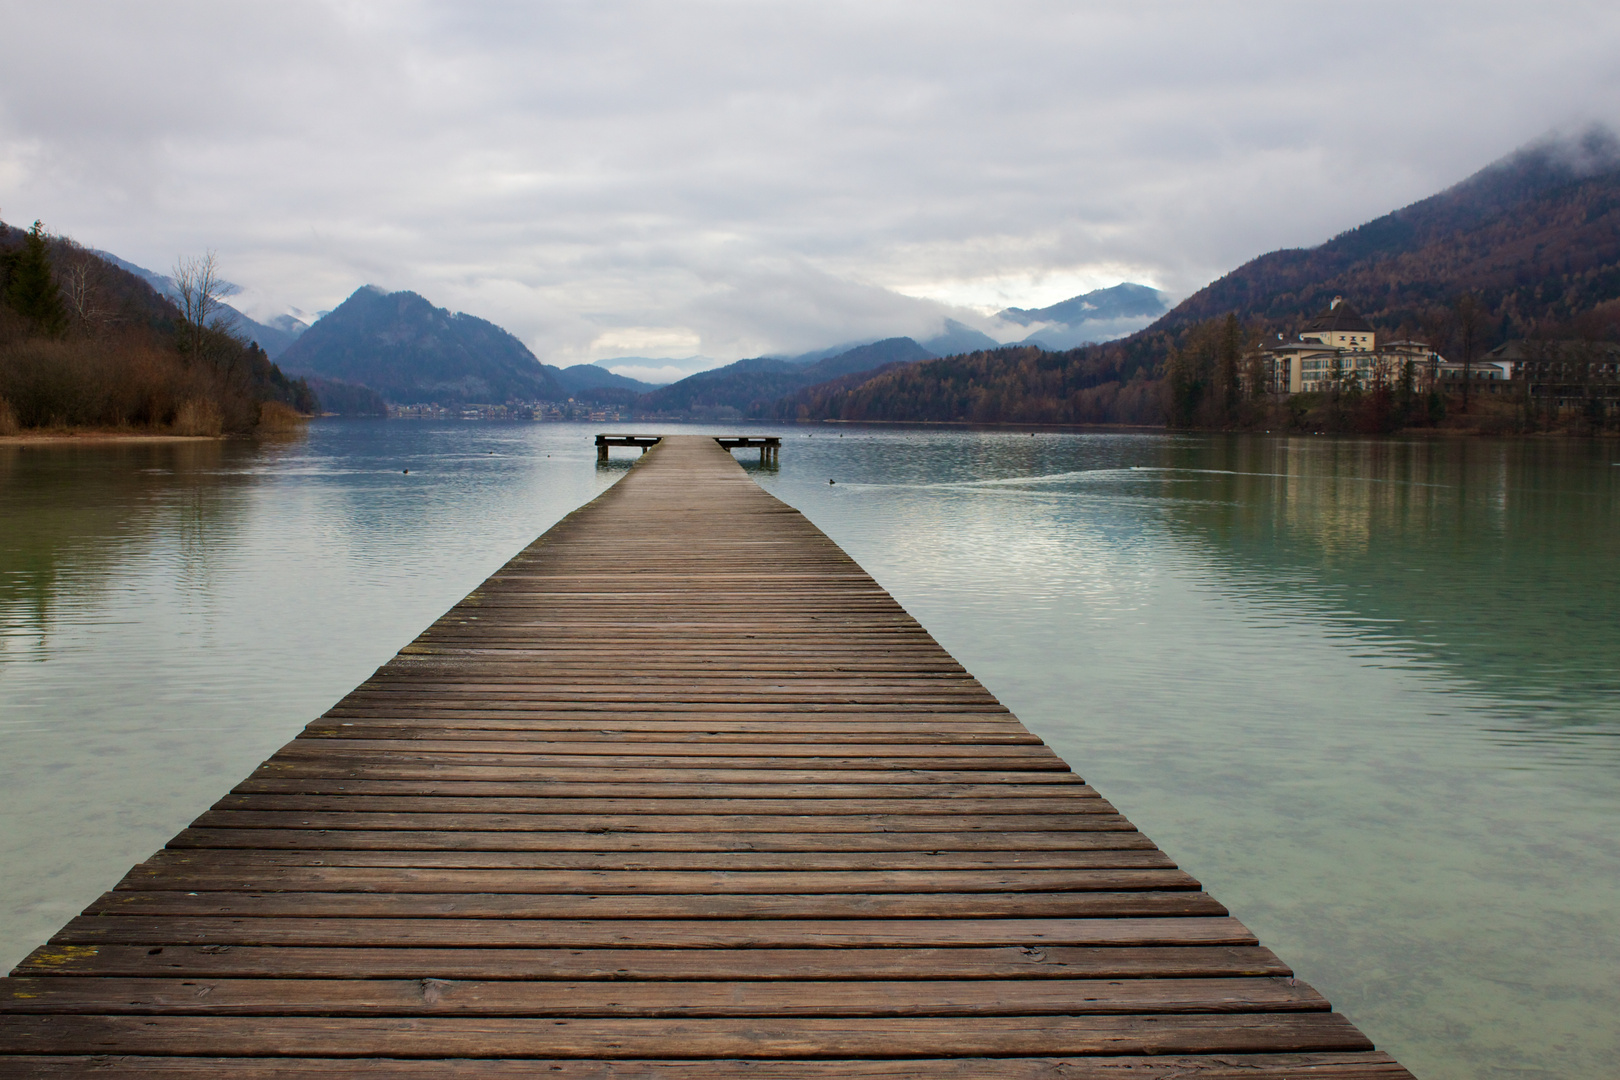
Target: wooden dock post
(678,792)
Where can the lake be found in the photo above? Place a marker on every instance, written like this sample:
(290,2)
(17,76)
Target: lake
(1367,691)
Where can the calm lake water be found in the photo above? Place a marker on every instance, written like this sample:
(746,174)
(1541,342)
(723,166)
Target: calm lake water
(1368,692)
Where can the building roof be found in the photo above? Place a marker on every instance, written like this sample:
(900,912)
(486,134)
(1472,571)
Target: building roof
(1339,318)
(1304,346)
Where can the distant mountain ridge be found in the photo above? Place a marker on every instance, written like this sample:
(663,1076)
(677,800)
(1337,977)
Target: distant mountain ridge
(1099,315)
(1124,300)
(411,352)
(958,338)
(581,378)
(750,387)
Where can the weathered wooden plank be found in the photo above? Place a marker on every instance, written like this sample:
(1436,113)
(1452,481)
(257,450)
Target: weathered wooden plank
(493,739)
(544,771)
(463,997)
(263,904)
(821,824)
(787,1037)
(256,877)
(1041,809)
(222,860)
(837,798)
(1369,1065)
(1096,820)
(757,964)
(540,743)
(312,839)
(716,759)
(668,706)
(747,933)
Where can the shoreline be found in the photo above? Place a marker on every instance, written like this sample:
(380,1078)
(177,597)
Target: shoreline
(1162,429)
(70,437)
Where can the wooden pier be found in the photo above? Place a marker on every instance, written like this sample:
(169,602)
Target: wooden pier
(644,442)
(770,446)
(680,791)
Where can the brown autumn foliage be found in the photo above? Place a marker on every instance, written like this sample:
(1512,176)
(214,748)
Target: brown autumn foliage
(1021,384)
(121,381)
(117,358)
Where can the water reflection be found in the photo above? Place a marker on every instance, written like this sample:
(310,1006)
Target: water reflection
(1494,566)
(1498,563)
(77,517)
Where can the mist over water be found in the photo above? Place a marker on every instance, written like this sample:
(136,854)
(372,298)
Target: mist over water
(1365,691)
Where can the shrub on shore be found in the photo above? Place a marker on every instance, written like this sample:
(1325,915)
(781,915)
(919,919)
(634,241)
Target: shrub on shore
(198,416)
(274,416)
(117,384)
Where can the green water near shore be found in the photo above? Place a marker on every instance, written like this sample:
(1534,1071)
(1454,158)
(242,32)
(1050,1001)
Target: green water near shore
(1367,691)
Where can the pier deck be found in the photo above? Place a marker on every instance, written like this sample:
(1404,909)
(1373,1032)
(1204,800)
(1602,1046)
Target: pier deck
(680,791)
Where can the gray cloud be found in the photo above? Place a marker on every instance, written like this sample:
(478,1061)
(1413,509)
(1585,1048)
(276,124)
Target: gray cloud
(734,178)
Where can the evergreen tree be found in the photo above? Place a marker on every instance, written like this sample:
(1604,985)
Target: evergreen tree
(1186,389)
(31,288)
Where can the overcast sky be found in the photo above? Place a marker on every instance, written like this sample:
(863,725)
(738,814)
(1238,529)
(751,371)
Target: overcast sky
(729,179)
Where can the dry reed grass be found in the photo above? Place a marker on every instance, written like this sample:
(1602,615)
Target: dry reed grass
(119,383)
(275,416)
(198,416)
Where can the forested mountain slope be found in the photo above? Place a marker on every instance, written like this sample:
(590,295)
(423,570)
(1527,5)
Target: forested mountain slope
(1536,236)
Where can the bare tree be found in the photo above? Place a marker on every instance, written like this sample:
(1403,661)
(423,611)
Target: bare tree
(201,291)
(1470,320)
(80,275)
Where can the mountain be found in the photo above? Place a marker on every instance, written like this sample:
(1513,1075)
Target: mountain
(750,387)
(822,354)
(660,370)
(273,337)
(1095,316)
(1534,238)
(412,352)
(958,338)
(866,358)
(584,377)
(1124,300)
